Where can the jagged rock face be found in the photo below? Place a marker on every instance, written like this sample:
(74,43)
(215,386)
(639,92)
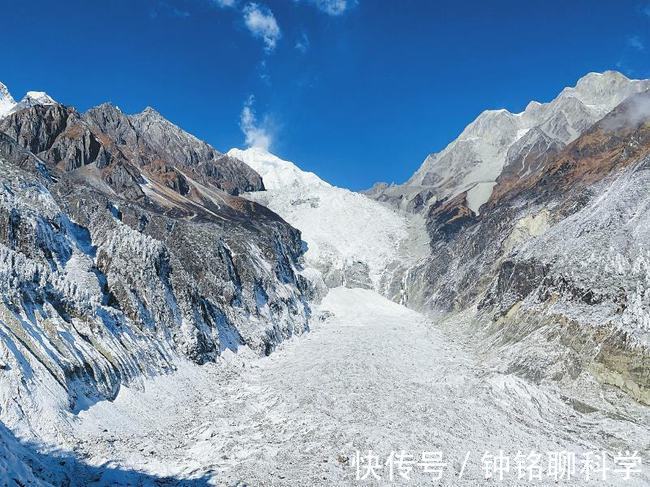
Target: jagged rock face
(559,249)
(119,254)
(527,156)
(557,186)
(160,144)
(497,141)
(38,127)
(122,149)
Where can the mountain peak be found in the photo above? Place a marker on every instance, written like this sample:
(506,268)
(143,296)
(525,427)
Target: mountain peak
(150,116)
(38,98)
(606,89)
(107,106)
(276,173)
(4,92)
(473,162)
(150,112)
(7,102)
(605,76)
(32,98)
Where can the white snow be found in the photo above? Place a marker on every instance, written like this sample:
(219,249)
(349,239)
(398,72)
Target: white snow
(38,98)
(344,231)
(478,195)
(374,376)
(7,102)
(277,173)
(8,105)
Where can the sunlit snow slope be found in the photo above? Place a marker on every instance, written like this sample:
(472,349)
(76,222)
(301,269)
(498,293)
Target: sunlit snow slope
(352,239)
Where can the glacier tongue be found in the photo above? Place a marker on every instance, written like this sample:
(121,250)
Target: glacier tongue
(352,240)
(374,376)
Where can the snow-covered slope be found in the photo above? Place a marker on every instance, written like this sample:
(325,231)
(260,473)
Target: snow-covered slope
(351,239)
(375,375)
(32,98)
(277,173)
(7,101)
(474,161)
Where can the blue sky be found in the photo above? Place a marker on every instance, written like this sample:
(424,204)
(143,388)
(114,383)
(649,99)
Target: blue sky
(357,91)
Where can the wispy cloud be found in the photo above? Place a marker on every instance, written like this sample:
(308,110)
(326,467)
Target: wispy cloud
(635,42)
(224,3)
(260,21)
(257,134)
(166,10)
(302,44)
(635,114)
(332,7)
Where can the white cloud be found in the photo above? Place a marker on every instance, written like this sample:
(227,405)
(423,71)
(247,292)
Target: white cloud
(262,24)
(333,7)
(257,135)
(263,71)
(302,44)
(635,114)
(635,42)
(224,3)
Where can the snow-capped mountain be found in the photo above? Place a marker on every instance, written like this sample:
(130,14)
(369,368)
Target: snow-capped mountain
(559,253)
(145,278)
(351,239)
(7,101)
(277,173)
(474,161)
(32,98)
(125,235)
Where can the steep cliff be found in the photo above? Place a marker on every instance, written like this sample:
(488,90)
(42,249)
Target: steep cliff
(123,249)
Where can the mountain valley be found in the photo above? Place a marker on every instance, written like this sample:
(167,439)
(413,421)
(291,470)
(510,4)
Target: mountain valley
(175,315)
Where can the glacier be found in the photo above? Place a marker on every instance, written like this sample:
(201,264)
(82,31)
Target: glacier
(460,323)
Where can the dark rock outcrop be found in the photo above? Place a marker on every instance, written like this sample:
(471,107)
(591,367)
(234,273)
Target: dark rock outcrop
(124,248)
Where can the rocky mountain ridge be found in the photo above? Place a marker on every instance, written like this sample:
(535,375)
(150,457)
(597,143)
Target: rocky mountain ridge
(497,141)
(124,249)
(554,265)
